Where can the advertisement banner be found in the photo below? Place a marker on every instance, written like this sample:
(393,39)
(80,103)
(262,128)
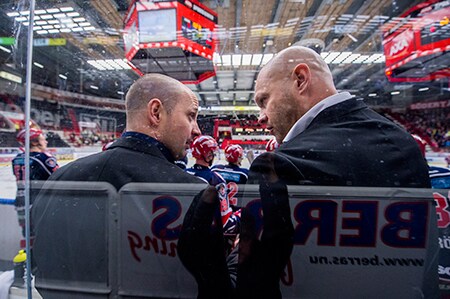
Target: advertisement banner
(430,105)
(442,200)
(348,242)
(399,47)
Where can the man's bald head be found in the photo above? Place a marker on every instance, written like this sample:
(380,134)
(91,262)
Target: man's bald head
(165,109)
(153,86)
(285,62)
(289,86)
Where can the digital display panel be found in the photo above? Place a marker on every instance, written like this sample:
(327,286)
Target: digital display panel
(197,33)
(128,37)
(434,32)
(157,26)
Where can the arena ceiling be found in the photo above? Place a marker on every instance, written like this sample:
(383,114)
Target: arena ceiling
(249,32)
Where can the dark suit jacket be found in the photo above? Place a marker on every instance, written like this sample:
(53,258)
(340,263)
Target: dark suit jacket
(126,160)
(349,144)
(71,244)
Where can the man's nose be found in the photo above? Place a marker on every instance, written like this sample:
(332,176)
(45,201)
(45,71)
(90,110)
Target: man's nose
(262,119)
(196,130)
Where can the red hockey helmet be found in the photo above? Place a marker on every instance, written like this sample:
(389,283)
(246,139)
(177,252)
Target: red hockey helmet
(34,134)
(202,146)
(421,143)
(271,145)
(233,153)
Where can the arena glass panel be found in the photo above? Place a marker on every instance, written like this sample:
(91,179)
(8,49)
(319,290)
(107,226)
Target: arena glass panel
(392,54)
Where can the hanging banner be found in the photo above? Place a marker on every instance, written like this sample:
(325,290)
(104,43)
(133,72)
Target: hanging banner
(7,41)
(430,105)
(41,42)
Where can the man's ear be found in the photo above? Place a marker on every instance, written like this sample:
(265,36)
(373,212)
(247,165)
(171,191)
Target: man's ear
(154,111)
(302,76)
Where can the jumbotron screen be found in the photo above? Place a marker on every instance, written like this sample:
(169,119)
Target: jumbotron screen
(175,38)
(417,46)
(157,25)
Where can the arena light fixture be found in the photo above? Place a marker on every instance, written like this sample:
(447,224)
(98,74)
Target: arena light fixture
(106,65)
(5,49)
(342,56)
(267,58)
(424,89)
(332,56)
(73,14)
(38,65)
(96,65)
(324,54)
(94,87)
(123,63)
(257,58)
(64,17)
(351,58)
(226,60)
(236,60)
(11,77)
(110,64)
(62,76)
(13,14)
(46,17)
(246,59)
(361,58)
(66,9)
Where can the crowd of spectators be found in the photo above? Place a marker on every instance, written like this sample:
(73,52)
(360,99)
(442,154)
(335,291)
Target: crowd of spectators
(89,138)
(433,125)
(430,124)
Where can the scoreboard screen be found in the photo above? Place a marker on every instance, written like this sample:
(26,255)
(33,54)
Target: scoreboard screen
(171,37)
(157,26)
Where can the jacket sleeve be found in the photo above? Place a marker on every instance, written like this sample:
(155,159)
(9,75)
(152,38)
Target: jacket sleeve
(275,164)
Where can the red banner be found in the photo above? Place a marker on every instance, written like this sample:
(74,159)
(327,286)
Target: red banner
(430,105)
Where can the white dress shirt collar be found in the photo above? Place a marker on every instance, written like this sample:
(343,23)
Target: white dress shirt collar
(304,121)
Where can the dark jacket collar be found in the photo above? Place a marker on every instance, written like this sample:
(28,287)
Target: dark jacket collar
(142,143)
(335,112)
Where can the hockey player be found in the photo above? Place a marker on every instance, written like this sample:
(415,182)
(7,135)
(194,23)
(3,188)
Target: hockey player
(271,145)
(203,150)
(439,176)
(182,163)
(42,165)
(233,172)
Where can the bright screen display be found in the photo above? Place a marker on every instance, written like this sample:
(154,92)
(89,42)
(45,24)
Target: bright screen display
(157,26)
